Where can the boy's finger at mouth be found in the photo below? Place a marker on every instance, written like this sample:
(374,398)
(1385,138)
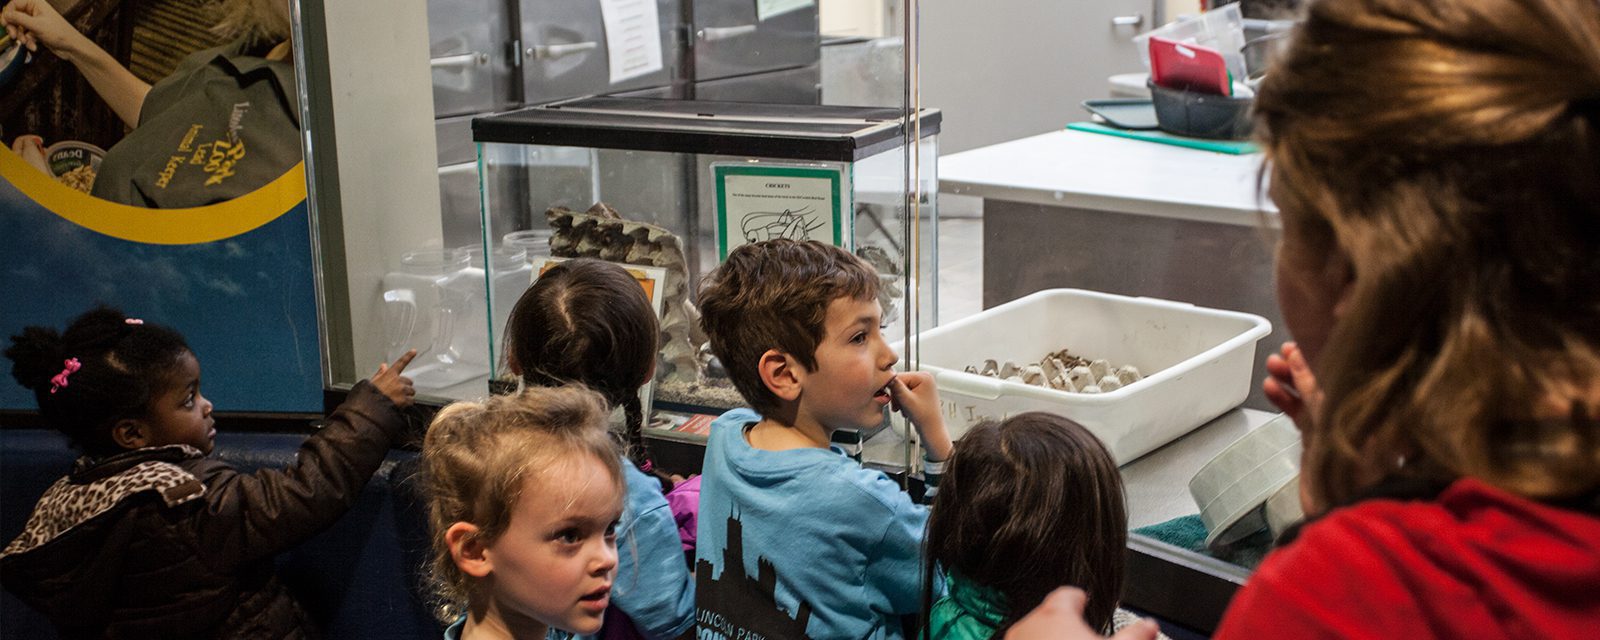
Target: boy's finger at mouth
(893,390)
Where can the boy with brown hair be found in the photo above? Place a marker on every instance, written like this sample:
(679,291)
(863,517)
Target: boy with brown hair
(795,539)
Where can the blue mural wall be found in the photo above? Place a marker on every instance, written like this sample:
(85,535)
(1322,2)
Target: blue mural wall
(246,304)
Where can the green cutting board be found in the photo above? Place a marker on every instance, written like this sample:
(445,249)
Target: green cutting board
(1234,147)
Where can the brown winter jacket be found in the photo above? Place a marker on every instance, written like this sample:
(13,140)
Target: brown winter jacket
(163,542)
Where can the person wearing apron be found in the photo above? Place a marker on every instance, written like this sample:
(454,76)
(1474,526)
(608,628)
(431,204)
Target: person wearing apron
(223,124)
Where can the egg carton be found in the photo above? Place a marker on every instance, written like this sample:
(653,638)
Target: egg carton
(602,232)
(1063,371)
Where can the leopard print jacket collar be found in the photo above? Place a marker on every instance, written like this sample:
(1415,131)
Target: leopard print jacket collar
(99,485)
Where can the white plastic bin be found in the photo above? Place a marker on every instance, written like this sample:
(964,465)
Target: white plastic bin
(1197,362)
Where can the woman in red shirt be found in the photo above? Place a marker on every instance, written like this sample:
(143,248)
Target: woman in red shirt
(1437,166)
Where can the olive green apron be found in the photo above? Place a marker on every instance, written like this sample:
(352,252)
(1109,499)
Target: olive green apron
(222,125)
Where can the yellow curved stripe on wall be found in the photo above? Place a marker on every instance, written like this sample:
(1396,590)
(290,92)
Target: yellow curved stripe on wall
(158,226)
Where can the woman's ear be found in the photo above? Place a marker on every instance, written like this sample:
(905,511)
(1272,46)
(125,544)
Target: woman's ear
(512,364)
(130,433)
(468,549)
(782,375)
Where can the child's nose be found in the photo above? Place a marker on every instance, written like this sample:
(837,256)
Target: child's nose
(887,358)
(605,560)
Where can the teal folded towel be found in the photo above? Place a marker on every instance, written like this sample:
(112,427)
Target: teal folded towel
(1189,532)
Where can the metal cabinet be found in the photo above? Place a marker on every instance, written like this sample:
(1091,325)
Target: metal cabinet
(731,39)
(565,52)
(799,85)
(470,55)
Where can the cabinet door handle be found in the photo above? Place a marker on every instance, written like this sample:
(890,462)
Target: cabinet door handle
(713,34)
(467,59)
(1128,21)
(553,51)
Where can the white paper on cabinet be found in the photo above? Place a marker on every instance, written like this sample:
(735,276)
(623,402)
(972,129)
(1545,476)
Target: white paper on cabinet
(633,38)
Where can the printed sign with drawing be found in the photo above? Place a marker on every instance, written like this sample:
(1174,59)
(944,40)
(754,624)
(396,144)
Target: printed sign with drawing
(758,202)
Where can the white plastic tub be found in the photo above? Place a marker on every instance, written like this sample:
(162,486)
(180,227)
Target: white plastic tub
(1197,362)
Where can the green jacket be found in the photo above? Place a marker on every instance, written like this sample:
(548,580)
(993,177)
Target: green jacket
(969,611)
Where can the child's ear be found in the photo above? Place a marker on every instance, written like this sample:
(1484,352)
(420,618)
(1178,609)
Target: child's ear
(130,433)
(782,375)
(468,549)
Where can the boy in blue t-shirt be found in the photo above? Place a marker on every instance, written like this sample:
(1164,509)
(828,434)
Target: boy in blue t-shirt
(795,539)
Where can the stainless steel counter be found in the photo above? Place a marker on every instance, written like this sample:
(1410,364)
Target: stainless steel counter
(1158,483)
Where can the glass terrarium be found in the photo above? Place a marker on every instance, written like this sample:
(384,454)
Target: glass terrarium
(668,187)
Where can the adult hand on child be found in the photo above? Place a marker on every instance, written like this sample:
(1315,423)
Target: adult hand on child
(35,22)
(1292,387)
(390,383)
(1060,616)
(916,397)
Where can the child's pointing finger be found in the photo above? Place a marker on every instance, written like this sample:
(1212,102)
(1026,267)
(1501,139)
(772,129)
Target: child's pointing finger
(400,364)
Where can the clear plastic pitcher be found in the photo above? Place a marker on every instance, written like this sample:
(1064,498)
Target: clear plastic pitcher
(424,304)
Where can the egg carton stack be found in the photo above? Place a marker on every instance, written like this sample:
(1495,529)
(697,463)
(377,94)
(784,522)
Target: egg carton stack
(1063,371)
(603,233)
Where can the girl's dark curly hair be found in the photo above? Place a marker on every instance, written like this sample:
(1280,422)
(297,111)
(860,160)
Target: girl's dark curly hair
(121,366)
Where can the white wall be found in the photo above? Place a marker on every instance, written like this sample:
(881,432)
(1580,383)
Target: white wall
(387,165)
(1006,69)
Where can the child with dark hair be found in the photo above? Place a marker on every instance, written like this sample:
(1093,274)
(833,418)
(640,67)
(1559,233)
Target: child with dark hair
(588,321)
(148,537)
(1026,505)
(795,538)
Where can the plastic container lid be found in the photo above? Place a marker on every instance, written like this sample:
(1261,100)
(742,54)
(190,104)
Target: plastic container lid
(505,257)
(1283,508)
(1231,489)
(534,243)
(435,261)
(67,155)
(806,132)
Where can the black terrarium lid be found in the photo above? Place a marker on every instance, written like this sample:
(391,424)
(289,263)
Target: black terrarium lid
(803,132)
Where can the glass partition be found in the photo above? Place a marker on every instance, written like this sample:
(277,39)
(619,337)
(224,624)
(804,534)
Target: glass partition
(427,237)
(708,176)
